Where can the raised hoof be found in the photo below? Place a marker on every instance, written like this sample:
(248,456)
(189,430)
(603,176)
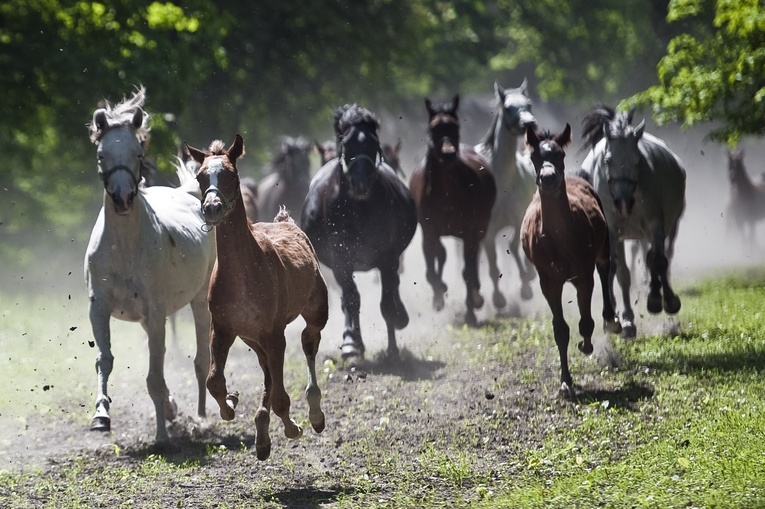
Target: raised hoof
(295,434)
(100,423)
(672,306)
(263,451)
(477,299)
(499,300)
(526,293)
(227,412)
(585,347)
(319,425)
(654,304)
(351,350)
(629,331)
(438,302)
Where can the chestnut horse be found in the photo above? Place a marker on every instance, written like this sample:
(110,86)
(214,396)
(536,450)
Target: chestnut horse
(361,216)
(147,258)
(289,175)
(565,235)
(746,205)
(265,276)
(454,190)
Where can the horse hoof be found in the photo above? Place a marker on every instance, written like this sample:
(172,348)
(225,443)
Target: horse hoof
(526,293)
(438,302)
(672,305)
(393,354)
(171,409)
(613,326)
(293,432)
(629,331)
(100,423)
(654,304)
(470,319)
(317,421)
(263,451)
(499,300)
(350,351)
(585,347)
(566,389)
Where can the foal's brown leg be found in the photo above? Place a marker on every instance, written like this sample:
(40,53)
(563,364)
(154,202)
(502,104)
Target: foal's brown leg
(584,286)
(553,291)
(315,316)
(435,258)
(280,400)
(262,414)
(220,343)
(611,322)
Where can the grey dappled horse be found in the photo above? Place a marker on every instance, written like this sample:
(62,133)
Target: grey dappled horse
(147,258)
(515,178)
(641,183)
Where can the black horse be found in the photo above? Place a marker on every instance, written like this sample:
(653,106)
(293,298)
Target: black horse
(360,216)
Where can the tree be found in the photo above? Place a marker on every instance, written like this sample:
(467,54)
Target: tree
(713,72)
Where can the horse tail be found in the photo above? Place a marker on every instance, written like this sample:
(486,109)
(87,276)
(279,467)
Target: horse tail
(283,215)
(592,125)
(187,177)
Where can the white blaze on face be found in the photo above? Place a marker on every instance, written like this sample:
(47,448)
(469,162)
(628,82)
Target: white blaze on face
(214,169)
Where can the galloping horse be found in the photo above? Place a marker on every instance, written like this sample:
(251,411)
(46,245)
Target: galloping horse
(565,235)
(147,257)
(265,276)
(289,175)
(746,205)
(361,216)
(514,175)
(454,190)
(642,185)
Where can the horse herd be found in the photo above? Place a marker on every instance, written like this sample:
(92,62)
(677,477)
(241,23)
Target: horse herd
(248,257)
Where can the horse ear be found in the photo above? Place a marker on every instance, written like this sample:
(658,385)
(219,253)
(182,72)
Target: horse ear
(138,117)
(195,153)
(429,107)
(397,147)
(99,119)
(524,86)
(236,150)
(500,92)
(639,129)
(564,138)
(319,149)
(531,136)
(455,103)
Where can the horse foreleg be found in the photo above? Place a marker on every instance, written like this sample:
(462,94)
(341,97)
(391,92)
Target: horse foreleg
(490,246)
(202,356)
(610,321)
(220,343)
(435,258)
(164,405)
(619,266)
(553,291)
(474,299)
(350,302)
(99,322)
(526,271)
(660,266)
(392,308)
(584,287)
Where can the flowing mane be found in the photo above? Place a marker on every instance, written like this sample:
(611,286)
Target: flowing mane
(619,124)
(122,114)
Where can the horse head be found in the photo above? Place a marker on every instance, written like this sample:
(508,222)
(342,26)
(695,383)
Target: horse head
(736,169)
(391,154)
(119,133)
(358,148)
(218,178)
(516,108)
(548,155)
(623,160)
(327,150)
(444,129)
(292,161)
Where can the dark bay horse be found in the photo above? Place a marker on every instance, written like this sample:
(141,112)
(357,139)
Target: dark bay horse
(565,235)
(515,178)
(746,205)
(265,276)
(361,216)
(287,181)
(641,183)
(147,258)
(454,190)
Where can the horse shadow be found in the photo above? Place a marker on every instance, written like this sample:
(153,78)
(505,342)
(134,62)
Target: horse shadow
(408,366)
(308,497)
(626,397)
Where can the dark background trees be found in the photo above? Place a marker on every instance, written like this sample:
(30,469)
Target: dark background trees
(212,68)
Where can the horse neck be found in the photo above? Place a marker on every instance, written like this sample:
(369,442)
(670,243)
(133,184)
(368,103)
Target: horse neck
(126,230)
(233,237)
(503,159)
(743,181)
(556,210)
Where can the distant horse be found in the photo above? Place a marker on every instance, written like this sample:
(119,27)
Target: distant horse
(746,205)
(288,178)
(565,235)
(266,275)
(249,189)
(514,174)
(391,154)
(326,150)
(361,216)
(642,185)
(454,190)
(147,257)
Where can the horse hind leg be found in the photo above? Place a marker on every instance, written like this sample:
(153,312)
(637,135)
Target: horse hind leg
(280,400)
(315,318)
(220,344)
(435,258)
(620,269)
(671,301)
(490,246)
(352,348)
(526,271)
(164,405)
(610,321)
(263,413)
(586,323)
(553,292)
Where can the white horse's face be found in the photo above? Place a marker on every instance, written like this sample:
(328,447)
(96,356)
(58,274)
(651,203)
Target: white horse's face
(622,159)
(517,115)
(120,158)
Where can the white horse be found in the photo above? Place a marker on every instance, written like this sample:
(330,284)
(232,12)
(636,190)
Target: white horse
(147,257)
(516,181)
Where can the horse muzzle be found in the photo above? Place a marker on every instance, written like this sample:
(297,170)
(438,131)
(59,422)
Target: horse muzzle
(548,179)
(122,202)
(624,206)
